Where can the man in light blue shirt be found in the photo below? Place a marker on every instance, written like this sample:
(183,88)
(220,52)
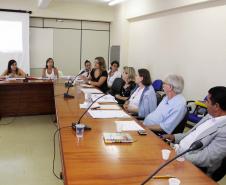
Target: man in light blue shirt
(172,108)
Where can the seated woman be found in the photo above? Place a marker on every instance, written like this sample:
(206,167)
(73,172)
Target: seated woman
(50,71)
(13,71)
(113,73)
(87,70)
(143,101)
(98,75)
(128,76)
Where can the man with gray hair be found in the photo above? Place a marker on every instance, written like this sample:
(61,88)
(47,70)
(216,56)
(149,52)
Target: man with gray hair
(172,108)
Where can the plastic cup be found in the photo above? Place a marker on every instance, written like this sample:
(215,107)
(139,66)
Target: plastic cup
(165,154)
(80,131)
(174,181)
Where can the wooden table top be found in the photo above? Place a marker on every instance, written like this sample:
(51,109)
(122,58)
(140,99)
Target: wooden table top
(91,161)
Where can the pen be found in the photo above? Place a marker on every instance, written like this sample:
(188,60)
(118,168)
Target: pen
(95,108)
(163,177)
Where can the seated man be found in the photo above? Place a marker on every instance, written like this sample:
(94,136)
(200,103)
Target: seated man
(211,131)
(172,108)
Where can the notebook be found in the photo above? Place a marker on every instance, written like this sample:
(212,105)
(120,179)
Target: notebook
(120,137)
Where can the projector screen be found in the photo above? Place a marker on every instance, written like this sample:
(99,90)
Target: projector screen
(14,40)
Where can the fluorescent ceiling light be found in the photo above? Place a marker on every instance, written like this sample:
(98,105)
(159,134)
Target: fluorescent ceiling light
(114,2)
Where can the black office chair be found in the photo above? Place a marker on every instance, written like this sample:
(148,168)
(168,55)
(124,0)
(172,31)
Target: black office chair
(117,86)
(220,172)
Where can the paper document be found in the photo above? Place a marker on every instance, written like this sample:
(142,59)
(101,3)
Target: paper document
(108,107)
(127,126)
(108,114)
(86,85)
(105,99)
(85,105)
(91,91)
(15,78)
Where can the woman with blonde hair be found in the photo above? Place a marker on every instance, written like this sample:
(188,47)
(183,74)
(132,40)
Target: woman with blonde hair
(128,76)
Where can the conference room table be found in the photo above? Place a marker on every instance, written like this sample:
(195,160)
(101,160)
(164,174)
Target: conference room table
(90,161)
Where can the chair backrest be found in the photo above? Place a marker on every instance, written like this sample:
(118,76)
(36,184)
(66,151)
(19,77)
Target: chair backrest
(180,127)
(117,86)
(158,97)
(220,172)
(157,85)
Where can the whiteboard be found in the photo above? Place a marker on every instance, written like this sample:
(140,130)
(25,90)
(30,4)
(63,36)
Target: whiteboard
(41,46)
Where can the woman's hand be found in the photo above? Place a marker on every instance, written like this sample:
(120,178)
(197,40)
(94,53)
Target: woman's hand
(84,78)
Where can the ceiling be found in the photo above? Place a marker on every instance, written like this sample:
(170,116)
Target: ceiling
(84,1)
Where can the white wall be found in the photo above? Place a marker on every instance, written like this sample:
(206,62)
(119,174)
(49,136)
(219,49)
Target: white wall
(190,41)
(68,10)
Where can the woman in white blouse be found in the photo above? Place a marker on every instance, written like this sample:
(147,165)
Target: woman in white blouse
(113,73)
(50,71)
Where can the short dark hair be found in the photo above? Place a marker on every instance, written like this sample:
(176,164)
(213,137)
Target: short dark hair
(115,62)
(146,76)
(87,61)
(218,95)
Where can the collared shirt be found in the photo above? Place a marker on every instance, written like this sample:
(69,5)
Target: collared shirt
(186,142)
(135,97)
(111,79)
(168,114)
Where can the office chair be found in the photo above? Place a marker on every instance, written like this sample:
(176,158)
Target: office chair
(157,85)
(197,110)
(117,86)
(219,173)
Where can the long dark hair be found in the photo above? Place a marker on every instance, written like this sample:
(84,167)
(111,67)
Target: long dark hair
(48,61)
(10,63)
(146,76)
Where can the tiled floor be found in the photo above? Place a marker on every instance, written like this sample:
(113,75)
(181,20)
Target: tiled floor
(26,152)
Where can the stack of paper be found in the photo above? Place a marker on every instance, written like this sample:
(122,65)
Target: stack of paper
(91,91)
(85,105)
(108,107)
(108,114)
(105,99)
(127,126)
(86,85)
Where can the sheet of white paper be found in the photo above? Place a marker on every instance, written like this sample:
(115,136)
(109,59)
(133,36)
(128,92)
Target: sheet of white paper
(108,114)
(127,126)
(106,99)
(109,107)
(85,105)
(86,85)
(90,91)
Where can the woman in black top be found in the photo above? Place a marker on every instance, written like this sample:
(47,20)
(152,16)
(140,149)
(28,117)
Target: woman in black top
(98,76)
(128,76)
